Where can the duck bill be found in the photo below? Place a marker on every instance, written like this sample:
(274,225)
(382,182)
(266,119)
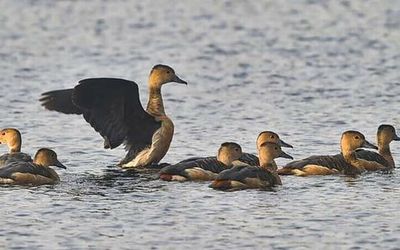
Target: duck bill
(284,144)
(60,165)
(179,80)
(395,138)
(284,155)
(367,144)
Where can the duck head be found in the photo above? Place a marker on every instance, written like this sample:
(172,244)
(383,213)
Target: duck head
(11,137)
(269,151)
(229,152)
(352,140)
(386,134)
(47,157)
(269,136)
(161,74)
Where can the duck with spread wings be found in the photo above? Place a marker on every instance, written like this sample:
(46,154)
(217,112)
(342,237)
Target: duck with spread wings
(112,107)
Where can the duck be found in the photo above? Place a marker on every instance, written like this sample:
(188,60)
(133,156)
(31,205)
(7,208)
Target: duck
(112,107)
(253,177)
(351,140)
(12,138)
(35,173)
(204,170)
(250,159)
(385,135)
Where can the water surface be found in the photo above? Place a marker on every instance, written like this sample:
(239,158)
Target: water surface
(306,69)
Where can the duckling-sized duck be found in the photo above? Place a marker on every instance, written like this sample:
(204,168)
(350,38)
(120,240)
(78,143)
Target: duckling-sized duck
(112,107)
(206,169)
(12,138)
(385,135)
(245,176)
(37,172)
(327,164)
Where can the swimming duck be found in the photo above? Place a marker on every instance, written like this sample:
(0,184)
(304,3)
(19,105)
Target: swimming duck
(37,172)
(385,135)
(245,176)
(12,138)
(205,169)
(326,164)
(112,107)
(250,159)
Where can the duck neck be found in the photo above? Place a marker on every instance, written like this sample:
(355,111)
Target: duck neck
(267,163)
(155,106)
(15,146)
(384,150)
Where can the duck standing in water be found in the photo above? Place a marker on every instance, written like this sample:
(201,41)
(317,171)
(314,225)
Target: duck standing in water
(326,164)
(385,135)
(112,107)
(12,138)
(205,169)
(37,172)
(245,176)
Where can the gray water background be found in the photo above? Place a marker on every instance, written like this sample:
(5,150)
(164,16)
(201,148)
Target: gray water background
(305,69)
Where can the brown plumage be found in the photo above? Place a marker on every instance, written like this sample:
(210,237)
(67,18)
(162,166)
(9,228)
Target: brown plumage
(32,173)
(244,176)
(205,169)
(12,138)
(112,107)
(324,164)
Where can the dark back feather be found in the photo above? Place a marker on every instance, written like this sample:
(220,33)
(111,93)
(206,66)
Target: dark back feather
(372,156)
(240,173)
(14,157)
(208,163)
(23,167)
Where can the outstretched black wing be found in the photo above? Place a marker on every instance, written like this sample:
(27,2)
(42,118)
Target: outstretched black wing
(112,107)
(61,101)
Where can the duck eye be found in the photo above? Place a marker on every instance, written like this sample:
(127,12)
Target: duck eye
(236,149)
(357,137)
(168,72)
(3,133)
(276,148)
(272,136)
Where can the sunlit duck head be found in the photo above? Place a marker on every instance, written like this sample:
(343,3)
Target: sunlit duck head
(269,136)
(269,151)
(12,138)
(386,134)
(161,74)
(229,152)
(46,157)
(352,140)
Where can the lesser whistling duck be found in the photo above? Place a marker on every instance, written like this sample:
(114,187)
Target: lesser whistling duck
(112,107)
(326,164)
(12,138)
(385,135)
(245,176)
(37,172)
(250,159)
(205,169)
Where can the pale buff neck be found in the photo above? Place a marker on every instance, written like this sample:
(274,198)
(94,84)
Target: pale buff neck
(384,150)
(267,162)
(226,159)
(15,145)
(155,105)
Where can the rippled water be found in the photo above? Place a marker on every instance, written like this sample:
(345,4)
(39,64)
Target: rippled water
(305,69)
